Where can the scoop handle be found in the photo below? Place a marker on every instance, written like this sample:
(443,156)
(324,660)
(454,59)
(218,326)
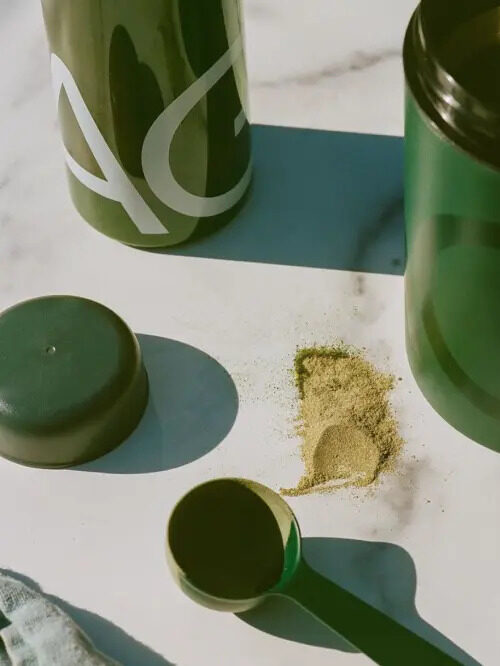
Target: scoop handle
(367,629)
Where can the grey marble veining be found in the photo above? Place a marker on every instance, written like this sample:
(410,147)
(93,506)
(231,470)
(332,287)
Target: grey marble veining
(358,61)
(314,258)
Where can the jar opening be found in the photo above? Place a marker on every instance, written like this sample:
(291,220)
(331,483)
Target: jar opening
(441,18)
(452,56)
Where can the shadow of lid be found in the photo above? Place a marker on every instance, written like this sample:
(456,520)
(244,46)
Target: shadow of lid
(192,407)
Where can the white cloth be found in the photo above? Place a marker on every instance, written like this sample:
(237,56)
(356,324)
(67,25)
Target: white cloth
(38,633)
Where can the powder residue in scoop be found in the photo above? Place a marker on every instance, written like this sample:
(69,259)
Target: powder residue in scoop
(349,433)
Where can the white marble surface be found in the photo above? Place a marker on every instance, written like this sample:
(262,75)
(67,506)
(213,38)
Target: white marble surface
(95,539)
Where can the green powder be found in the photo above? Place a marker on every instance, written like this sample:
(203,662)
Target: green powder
(349,433)
(227,541)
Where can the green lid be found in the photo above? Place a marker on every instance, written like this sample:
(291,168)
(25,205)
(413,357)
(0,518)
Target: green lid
(72,382)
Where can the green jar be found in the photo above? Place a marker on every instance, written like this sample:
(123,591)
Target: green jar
(452,201)
(151,97)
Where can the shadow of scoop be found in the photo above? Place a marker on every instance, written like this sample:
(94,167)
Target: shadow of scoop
(192,407)
(382,574)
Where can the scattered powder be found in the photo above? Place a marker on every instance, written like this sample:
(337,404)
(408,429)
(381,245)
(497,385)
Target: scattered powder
(349,433)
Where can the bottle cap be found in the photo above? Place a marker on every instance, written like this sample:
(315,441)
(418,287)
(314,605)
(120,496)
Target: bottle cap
(72,381)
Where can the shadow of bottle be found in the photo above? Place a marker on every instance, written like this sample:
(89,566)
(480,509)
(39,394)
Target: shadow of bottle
(193,405)
(382,574)
(319,199)
(106,636)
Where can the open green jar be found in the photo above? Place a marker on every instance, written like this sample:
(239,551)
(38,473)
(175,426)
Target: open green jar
(452,67)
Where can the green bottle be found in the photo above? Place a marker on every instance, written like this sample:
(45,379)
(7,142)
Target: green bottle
(452,67)
(151,97)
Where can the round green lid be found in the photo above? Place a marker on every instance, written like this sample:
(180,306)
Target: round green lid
(72,381)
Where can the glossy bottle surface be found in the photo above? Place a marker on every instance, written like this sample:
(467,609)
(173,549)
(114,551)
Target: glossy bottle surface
(151,98)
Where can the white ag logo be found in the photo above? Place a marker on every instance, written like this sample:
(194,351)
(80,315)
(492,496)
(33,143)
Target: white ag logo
(117,186)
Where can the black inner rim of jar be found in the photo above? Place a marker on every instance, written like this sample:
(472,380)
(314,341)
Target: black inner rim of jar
(440,18)
(445,34)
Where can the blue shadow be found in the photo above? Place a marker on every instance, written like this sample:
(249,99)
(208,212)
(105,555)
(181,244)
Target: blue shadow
(192,407)
(319,199)
(382,574)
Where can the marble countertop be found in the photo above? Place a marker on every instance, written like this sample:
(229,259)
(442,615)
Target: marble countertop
(424,545)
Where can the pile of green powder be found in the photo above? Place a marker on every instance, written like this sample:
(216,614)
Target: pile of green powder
(349,433)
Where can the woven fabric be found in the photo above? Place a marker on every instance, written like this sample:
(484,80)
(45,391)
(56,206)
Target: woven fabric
(37,633)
